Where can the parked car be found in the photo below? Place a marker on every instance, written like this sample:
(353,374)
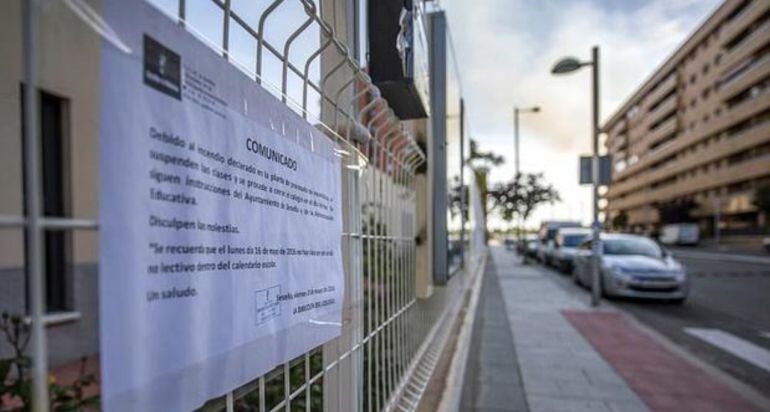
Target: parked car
(521,245)
(545,251)
(680,234)
(531,248)
(568,239)
(633,266)
(547,234)
(510,243)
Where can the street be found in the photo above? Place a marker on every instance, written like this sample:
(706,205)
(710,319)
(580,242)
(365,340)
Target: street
(725,321)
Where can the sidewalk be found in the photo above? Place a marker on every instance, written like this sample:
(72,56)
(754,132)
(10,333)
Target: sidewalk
(538,347)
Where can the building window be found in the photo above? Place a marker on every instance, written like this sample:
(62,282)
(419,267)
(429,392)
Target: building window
(54,149)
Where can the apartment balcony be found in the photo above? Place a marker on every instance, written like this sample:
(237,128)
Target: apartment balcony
(617,143)
(749,14)
(663,89)
(747,73)
(618,128)
(727,175)
(664,108)
(720,150)
(742,111)
(752,73)
(756,40)
(662,131)
(652,156)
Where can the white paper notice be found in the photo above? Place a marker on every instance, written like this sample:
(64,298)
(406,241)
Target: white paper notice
(220,222)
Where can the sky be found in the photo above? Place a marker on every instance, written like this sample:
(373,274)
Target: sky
(505,50)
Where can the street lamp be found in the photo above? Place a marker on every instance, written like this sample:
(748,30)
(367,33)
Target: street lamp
(516,111)
(569,65)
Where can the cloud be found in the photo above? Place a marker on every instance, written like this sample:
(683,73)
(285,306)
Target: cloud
(507,48)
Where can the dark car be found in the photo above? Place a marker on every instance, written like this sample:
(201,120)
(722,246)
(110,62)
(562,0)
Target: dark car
(531,249)
(547,236)
(566,247)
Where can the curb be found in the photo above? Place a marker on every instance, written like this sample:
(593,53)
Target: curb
(451,398)
(724,257)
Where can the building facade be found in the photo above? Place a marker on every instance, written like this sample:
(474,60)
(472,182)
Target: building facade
(693,142)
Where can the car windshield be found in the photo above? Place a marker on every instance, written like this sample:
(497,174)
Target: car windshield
(641,246)
(573,240)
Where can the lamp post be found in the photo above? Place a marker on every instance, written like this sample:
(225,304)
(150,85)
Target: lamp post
(569,65)
(516,112)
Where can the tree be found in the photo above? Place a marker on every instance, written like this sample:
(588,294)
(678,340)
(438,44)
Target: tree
(620,221)
(521,196)
(762,200)
(481,162)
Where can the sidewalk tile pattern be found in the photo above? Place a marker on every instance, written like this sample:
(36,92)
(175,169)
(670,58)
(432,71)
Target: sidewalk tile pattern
(664,380)
(561,371)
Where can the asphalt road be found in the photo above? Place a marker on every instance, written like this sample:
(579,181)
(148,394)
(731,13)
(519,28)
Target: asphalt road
(728,297)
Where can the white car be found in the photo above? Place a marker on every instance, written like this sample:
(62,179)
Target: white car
(633,266)
(680,234)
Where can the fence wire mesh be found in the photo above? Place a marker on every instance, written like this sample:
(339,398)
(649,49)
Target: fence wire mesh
(388,345)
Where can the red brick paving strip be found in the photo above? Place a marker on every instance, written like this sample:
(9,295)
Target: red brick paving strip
(662,379)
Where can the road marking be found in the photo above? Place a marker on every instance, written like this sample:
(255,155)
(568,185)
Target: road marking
(754,354)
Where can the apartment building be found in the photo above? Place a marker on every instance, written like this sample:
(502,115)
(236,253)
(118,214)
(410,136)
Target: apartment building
(696,134)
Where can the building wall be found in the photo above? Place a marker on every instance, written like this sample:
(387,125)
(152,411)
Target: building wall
(68,68)
(699,128)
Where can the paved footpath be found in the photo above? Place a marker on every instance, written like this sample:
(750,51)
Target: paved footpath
(558,354)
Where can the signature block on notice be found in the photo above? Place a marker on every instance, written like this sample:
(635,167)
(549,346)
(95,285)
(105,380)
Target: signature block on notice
(267,305)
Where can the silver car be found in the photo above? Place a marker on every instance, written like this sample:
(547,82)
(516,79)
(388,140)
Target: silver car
(633,266)
(566,247)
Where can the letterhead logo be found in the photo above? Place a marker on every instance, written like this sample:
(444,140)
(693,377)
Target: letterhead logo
(162,68)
